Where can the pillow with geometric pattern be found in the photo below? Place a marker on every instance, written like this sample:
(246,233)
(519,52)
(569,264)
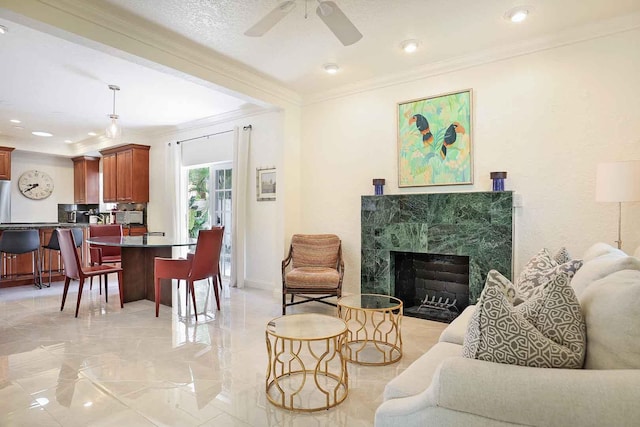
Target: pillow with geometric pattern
(562,256)
(541,269)
(545,331)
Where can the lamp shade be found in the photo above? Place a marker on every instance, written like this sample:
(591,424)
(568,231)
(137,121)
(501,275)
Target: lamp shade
(618,182)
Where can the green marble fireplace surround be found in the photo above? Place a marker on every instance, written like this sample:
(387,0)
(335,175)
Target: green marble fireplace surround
(478,225)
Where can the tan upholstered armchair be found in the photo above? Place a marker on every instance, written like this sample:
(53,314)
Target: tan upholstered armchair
(316,269)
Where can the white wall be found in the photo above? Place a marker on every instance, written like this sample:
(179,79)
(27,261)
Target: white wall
(263,247)
(547,118)
(61,171)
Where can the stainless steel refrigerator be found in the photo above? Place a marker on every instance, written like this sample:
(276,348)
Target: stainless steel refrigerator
(5,201)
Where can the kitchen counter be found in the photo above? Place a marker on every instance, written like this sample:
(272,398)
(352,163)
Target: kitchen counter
(27,225)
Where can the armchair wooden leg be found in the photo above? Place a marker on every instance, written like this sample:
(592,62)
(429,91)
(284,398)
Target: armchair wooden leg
(284,304)
(106,285)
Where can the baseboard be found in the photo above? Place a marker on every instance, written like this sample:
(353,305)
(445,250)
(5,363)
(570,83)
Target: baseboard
(257,284)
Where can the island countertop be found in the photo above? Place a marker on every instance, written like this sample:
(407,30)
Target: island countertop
(38,225)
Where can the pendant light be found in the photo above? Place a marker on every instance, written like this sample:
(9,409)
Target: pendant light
(114,131)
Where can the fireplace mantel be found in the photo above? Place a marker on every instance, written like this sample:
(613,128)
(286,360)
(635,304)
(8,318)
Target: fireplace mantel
(477,224)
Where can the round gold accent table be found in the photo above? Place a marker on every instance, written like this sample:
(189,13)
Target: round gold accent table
(306,370)
(373,322)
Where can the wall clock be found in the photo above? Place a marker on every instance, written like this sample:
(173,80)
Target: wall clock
(36,185)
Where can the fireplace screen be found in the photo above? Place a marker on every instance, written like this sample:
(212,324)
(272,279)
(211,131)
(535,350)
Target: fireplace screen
(431,286)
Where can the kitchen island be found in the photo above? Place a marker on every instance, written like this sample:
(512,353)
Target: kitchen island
(19,268)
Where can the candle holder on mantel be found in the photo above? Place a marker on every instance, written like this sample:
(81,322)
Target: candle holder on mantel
(378,184)
(498,180)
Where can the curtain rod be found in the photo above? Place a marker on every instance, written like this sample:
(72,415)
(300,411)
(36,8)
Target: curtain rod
(204,136)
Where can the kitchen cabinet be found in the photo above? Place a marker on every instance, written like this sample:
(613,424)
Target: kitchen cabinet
(86,180)
(125,172)
(5,162)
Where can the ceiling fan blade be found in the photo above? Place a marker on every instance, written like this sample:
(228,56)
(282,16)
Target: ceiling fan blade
(270,19)
(338,22)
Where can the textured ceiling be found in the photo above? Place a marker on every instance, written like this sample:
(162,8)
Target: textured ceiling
(55,85)
(294,51)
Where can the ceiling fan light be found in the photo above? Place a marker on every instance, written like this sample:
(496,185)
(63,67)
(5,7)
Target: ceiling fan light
(331,68)
(410,46)
(517,14)
(3,29)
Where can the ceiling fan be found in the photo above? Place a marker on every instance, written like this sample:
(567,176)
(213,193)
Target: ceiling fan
(328,11)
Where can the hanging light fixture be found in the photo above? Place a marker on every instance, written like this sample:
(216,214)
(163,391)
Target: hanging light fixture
(114,131)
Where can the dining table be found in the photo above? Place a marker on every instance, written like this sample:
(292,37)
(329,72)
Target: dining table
(138,254)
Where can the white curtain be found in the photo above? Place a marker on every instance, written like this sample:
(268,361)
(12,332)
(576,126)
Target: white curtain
(240,191)
(174,183)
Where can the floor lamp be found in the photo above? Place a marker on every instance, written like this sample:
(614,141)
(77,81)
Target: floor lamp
(618,182)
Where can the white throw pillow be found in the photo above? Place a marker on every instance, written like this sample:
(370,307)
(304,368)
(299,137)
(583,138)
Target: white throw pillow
(600,267)
(599,249)
(611,308)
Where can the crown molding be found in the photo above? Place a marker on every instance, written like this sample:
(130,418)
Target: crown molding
(210,121)
(565,38)
(100,25)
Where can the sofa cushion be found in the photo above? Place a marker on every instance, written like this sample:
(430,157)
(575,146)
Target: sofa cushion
(455,332)
(312,277)
(600,267)
(545,331)
(541,269)
(417,377)
(611,308)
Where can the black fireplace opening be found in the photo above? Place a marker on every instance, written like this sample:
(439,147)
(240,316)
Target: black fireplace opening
(431,286)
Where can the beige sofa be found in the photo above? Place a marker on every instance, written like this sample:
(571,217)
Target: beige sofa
(441,388)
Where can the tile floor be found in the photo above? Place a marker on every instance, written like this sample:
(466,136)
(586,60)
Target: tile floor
(125,367)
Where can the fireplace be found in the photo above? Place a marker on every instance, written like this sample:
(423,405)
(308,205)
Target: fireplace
(475,225)
(431,286)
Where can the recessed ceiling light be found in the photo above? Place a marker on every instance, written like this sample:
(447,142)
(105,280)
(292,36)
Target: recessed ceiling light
(68,141)
(3,29)
(410,46)
(18,127)
(92,134)
(331,68)
(15,121)
(518,14)
(41,133)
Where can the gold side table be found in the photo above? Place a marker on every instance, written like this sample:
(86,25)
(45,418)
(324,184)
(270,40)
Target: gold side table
(373,322)
(306,370)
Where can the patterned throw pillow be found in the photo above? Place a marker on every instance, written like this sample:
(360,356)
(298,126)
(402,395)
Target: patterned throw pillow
(562,256)
(540,270)
(547,331)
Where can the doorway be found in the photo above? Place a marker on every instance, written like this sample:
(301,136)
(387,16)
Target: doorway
(209,195)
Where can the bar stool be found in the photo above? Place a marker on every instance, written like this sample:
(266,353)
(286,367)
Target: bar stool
(17,242)
(54,245)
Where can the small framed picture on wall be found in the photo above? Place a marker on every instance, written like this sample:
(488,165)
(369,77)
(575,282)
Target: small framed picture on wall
(266,184)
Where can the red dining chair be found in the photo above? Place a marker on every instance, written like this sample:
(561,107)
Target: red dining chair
(104,254)
(73,269)
(202,265)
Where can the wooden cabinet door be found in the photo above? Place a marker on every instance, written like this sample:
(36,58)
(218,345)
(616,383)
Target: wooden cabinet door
(109,178)
(86,179)
(79,177)
(124,183)
(5,163)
